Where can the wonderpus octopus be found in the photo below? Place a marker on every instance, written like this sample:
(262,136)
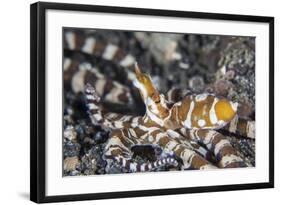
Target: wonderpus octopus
(186,130)
(177,131)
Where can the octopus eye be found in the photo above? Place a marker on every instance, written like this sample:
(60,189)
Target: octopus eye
(158,101)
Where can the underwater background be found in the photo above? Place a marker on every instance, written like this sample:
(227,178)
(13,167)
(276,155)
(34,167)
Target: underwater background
(222,65)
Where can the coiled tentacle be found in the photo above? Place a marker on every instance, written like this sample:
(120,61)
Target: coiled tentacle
(190,144)
(189,157)
(119,146)
(224,153)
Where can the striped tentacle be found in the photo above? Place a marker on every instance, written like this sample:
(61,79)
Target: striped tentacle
(91,45)
(108,120)
(83,73)
(242,127)
(190,158)
(169,140)
(184,138)
(224,153)
(128,164)
(119,146)
(201,150)
(95,113)
(123,121)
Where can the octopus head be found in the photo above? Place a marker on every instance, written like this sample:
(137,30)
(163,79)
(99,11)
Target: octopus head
(155,102)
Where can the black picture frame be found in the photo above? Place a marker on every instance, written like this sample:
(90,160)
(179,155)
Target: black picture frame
(38,100)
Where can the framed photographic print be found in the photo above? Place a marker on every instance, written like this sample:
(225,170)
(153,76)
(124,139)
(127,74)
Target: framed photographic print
(129,102)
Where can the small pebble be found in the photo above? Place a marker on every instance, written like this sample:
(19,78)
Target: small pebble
(70,163)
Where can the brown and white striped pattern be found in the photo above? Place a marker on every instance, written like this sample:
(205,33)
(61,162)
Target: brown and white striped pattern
(188,156)
(119,147)
(120,142)
(91,45)
(110,120)
(239,126)
(83,73)
(224,153)
(128,131)
(201,112)
(145,167)
(193,145)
